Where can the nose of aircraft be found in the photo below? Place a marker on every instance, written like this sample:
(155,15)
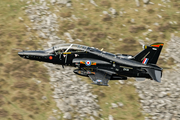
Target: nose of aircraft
(32,54)
(20,54)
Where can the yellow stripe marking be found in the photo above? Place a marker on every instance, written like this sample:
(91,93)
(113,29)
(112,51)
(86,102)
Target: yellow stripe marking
(67,53)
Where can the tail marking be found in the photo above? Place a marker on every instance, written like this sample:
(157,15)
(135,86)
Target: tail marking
(150,53)
(145,61)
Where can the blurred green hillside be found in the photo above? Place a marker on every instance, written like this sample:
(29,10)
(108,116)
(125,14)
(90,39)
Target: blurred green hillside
(21,96)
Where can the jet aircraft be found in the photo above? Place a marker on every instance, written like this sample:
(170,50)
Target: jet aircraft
(101,66)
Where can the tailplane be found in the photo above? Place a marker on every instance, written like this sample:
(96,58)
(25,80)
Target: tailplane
(154,74)
(150,54)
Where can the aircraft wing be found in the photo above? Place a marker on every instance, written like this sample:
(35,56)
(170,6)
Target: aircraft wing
(100,78)
(96,61)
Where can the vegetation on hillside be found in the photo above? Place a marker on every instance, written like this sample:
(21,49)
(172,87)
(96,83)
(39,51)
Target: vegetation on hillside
(120,33)
(21,96)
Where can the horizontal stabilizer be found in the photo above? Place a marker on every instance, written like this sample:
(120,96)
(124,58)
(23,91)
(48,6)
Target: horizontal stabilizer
(155,74)
(140,79)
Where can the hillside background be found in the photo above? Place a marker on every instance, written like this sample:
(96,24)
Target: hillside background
(115,25)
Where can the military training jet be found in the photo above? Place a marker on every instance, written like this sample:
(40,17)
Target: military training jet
(102,66)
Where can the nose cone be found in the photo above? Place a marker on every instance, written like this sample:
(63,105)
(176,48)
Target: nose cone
(21,54)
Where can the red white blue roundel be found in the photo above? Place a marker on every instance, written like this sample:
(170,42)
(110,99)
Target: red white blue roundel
(88,63)
(98,80)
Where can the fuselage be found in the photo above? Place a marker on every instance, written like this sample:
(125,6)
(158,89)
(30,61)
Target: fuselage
(80,56)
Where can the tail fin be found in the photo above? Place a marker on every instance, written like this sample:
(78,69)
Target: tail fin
(150,54)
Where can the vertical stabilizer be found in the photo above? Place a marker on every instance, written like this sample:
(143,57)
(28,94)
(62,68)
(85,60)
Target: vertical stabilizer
(150,54)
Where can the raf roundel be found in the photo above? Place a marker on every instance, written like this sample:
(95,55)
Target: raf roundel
(88,63)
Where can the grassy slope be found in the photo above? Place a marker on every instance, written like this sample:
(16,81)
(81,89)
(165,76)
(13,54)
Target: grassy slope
(20,96)
(94,29)
(118,93)
(24,100)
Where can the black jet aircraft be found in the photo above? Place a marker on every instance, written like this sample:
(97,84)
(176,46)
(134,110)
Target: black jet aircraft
(102,66)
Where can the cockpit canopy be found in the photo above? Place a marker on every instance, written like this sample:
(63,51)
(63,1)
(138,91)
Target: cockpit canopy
(67,48)
(61,48)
